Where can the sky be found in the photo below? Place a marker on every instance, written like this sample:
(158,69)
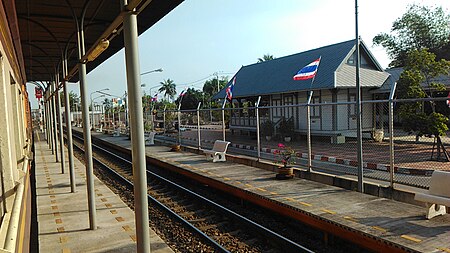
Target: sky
(202,37)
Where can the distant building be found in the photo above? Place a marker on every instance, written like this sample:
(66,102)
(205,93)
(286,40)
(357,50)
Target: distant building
(335,82)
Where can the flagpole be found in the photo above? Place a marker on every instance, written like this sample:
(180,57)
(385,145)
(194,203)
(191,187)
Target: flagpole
(308,116)
(179,120)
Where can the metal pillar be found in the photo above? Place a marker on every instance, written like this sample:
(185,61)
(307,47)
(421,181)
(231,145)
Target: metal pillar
(391,135)
(55,124)
(69,131)
(86,131)
(358,108)
(308,129)
(130,34)
(87,148)
(50,121)
(258,138)
(198,125)
(47,120)
(61,133)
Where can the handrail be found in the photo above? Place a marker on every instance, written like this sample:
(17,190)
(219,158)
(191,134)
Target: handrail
(13,226)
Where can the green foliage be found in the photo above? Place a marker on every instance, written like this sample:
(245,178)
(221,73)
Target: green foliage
(286,127)
(190,99)
(169,88)
(108,105)
(266,57)
(423,124)
(416,82)
(210,86)
(419,28)
(284,155)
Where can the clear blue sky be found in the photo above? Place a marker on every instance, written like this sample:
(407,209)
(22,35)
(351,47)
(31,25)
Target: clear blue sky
(201,37)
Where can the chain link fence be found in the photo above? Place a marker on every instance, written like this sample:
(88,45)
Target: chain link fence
(327,142)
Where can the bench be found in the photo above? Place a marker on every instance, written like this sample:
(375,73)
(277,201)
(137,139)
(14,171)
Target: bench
(150,140)
(437,198)
(217,154)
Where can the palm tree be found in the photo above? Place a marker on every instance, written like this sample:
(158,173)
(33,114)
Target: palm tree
(169,88)
(266,57)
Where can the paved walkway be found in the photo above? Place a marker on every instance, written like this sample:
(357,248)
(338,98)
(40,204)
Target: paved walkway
(63,216)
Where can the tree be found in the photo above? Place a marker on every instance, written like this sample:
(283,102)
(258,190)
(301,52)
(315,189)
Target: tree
(210,86)
(73,99)
(266,57)
(169,88)
(108,105)
(416,81)
(419,28)
(190,99)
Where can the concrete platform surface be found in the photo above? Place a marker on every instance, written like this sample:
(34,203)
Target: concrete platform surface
(63,217)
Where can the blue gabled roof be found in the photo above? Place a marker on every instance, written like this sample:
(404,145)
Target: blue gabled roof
(275,76)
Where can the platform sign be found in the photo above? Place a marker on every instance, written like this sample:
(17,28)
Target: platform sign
(38,92)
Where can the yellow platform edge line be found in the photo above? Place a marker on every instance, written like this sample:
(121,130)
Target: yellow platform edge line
(329,211)
(407,237)
(444,249)
(379,229)
(304,203)
(350,218)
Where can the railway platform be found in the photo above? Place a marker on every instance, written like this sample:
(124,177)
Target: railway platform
(63,219)
(379,224)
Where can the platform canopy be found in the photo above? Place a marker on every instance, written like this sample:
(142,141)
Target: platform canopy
(48,29)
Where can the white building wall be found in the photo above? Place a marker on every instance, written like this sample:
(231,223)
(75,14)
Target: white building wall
(327,111)
(342,110)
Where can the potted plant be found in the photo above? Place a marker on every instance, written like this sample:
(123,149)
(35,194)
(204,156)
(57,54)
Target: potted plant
(286,129)
(267,129)
(284,155)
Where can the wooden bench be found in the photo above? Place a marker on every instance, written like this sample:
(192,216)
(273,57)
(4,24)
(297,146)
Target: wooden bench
(217,154)
(438,196)
(150,140)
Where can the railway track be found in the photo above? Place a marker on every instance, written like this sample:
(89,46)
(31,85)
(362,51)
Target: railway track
(192,222)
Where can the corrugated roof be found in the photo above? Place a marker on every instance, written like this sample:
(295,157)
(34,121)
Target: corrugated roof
(275,76)
(48,27)
(395,75)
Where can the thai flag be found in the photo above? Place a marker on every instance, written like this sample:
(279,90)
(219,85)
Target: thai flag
(155,97)
(183,92)
(448,100)
(229,90)
(308,72)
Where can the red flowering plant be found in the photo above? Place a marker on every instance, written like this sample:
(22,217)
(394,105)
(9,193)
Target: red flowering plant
(284,155)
